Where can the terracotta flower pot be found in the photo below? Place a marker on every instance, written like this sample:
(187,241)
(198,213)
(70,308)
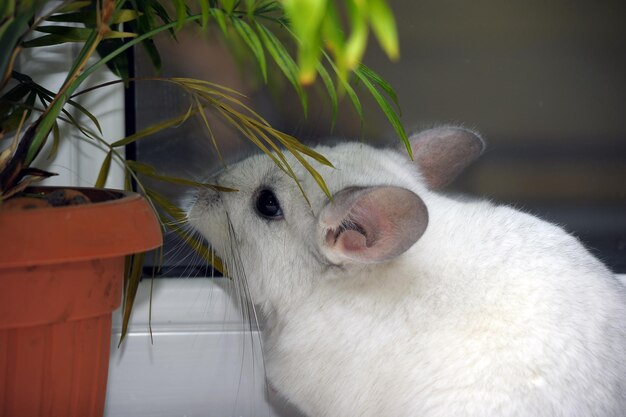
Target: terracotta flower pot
(61,277)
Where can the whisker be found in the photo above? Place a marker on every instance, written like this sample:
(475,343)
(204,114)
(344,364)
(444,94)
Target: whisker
(248,309)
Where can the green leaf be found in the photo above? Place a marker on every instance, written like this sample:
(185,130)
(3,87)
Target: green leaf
(356,103)
(204,9)
(104,170)
(357,41)
(141,168)
(81,34)
(119,65)
(250,6)
(229,5)
(151,172)
(384,26)
(87,113)
(170,208)
(379,81)
(284,62)
(207,125)
(56,140)
(12,28)
(11,109)
(316,175)
(306,18)
(388,110)
(157,127)
(250,136)
(181,13)
(132,280)
(332,92)
(220,17)
(73,6)
(88,18)
(267,6)
(46,40)
(253,42)
(292,143)
(7,8)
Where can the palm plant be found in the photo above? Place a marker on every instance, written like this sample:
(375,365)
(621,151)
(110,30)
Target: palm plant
(30,114)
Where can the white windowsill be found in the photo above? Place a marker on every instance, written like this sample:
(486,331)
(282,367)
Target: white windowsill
(205,361)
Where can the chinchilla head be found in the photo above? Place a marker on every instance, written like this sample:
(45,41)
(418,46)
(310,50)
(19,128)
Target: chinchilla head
(283,245)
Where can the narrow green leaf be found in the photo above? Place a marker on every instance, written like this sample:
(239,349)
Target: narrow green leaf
(130,293)
(357,41)
(384,26)
(316,175)
(157,127)
(74,122)
(284,62)
(220,17)
(150,171)
(7,8)
(306,18)
(250,4)
(104,170)
(11,108)
(12,30)
(207,125)
(379,81)
(293,143)
(88,18)
(141,167)
(284,166)
(204,10)
(207,85)
(332,92)
(356,103)
(332,30)
(229,5)
(77,34)
(46,40)
(119,65)
(388,110)
(13,96)
(73,6)
(254,43)
(181,13)
(56,140)
(250,136)
(191,183)
(267,6)
(87,113)
(170,208)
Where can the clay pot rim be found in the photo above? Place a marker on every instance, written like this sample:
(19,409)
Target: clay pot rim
(109,227)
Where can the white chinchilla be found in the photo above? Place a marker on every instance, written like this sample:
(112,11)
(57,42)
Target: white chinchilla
(396,300)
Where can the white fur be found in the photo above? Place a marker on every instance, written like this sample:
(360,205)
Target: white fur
(492,312)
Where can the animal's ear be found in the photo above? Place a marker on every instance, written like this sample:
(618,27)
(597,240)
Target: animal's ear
(370,225)
(442,153)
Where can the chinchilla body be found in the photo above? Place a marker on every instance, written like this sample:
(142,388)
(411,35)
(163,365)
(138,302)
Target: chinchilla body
(394,299)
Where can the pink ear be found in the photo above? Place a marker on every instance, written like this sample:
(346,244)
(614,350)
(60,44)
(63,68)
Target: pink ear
(442,153)
(369,225)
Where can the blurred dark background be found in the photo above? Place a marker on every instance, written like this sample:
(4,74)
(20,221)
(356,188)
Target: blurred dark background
(544,82)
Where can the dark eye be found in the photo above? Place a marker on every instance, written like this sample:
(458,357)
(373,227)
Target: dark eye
(267,205)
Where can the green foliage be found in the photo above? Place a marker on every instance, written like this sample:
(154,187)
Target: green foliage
(106,29)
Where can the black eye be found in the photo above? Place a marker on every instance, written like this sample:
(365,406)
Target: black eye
(267,205)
